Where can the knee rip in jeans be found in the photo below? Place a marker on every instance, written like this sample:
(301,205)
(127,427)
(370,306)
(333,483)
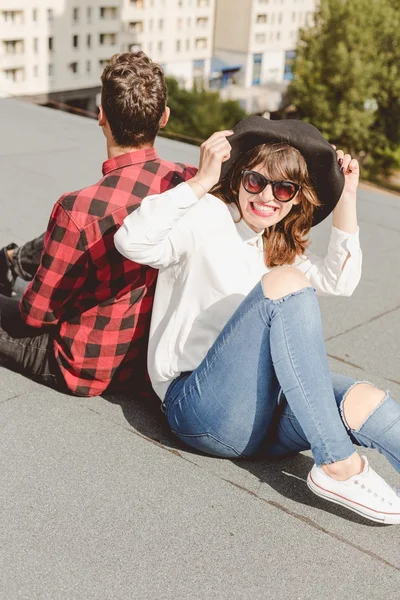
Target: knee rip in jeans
(283,282)
(378,399)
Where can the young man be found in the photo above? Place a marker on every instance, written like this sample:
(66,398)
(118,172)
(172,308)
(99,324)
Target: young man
(82,324)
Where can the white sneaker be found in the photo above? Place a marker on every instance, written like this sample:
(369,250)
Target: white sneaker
(366,493)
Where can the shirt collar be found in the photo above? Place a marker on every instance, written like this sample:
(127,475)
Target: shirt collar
(129,158)
(245,231)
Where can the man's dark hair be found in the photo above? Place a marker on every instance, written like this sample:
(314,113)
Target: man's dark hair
(133,97)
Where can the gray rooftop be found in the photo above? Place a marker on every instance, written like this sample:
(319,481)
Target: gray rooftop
(97,499)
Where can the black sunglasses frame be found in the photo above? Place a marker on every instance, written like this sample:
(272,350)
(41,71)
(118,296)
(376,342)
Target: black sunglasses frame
(266,182)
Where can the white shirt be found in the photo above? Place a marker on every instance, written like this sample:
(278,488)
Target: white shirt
(207,265)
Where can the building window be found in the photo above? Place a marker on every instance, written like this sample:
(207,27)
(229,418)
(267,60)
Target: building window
(50,15)
(160,46)
(160,24)
(260,38)
(13,16)
(35,71)
(178,45)
(89,14)
(202,22)
(262,19)
(50,70)
(13,46)
(203,3)
(137,3)
(75,41)
(198,72)
(108,12)
(35,15)
(257,62)
(107,39)
(75,15)
(88,66)
(35,45)
(290,55)
(136,26)
(88,40)
(187,45)
(179,23)
(50,44)
(103,62)
(73,67)
(200,43)
(15,75)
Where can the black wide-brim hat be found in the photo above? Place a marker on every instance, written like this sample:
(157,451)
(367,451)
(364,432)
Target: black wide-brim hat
(323,167)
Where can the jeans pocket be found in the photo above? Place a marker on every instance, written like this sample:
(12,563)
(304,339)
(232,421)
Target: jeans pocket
(208,444)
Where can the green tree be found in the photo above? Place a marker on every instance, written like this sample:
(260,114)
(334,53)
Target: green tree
(346,77)
(198,113)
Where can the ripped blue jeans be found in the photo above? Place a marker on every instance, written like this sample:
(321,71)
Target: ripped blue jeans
(265,385)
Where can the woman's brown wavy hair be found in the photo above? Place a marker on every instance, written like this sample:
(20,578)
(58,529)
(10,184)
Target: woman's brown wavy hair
(288,238)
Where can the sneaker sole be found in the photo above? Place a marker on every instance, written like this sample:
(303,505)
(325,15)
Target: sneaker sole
(370,514)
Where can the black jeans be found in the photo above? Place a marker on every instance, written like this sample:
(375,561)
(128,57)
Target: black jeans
(26,349)
(26,258)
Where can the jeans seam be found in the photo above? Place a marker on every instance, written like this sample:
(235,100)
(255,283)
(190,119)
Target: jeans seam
(302,388)
(14,341)
(20,271)
(197,435)
(374,443)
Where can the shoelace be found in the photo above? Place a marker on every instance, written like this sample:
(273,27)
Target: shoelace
(369,491)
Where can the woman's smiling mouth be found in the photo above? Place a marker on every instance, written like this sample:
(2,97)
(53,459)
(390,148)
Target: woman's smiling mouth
(263,210)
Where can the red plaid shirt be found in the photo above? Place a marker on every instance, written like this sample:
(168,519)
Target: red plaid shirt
(99,302)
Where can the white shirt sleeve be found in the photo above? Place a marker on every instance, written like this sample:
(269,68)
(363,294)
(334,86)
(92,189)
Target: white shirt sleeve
(151,234)
(339,273)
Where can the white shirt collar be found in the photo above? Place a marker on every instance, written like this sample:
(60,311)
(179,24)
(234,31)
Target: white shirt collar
(247,234)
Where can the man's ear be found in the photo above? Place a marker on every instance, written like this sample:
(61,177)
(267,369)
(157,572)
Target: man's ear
(101,117)
(165,117)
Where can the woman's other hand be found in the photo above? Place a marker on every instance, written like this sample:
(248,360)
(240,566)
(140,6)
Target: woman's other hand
(351,171)
(345,213)
(213,152)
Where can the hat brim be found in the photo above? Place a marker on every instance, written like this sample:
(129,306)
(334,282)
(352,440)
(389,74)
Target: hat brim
(322,164)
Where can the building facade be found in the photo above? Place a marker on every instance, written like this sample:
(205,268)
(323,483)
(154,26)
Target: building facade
(256,39)
(57,49)
(176,33)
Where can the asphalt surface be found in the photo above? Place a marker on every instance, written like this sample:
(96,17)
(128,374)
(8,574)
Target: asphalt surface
(98,500)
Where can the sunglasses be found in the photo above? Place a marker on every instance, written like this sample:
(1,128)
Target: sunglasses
(283,191)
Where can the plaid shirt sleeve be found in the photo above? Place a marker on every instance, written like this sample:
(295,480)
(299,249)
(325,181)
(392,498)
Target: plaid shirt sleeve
(61,273)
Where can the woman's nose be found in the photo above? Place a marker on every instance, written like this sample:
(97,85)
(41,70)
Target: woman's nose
(267,194)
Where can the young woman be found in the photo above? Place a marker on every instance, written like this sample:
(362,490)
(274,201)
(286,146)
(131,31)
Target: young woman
(236,350)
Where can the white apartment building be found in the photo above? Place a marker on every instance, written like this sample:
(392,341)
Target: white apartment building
(50,47)
(255,44)
(176,33)
(57,49)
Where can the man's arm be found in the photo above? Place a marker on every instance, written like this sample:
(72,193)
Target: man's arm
(61,273)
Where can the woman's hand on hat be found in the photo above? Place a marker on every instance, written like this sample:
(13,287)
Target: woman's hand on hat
(213,152)
(351,170)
